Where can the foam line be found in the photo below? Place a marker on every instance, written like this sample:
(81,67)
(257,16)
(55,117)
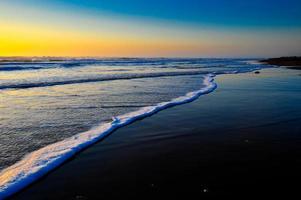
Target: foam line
(40,162)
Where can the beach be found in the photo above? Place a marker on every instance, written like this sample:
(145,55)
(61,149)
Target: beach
(150,99)
(242,139)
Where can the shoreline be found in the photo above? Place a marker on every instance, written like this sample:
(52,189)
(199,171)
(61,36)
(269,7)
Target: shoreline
(49,158)
(105,146)
(38,163)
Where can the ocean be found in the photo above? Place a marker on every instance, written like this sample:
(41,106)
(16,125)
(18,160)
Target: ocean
(51,110)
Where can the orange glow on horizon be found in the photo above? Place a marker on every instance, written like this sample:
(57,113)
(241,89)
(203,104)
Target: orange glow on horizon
(29,40)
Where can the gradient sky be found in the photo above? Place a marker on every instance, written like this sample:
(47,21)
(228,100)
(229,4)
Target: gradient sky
(174,28)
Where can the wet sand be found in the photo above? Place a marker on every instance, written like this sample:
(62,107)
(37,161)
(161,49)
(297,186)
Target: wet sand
(241,140)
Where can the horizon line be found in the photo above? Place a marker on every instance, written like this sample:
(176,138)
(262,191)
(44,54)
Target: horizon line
(120,57)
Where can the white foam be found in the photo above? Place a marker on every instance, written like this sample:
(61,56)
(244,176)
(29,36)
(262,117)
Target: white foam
(40,162)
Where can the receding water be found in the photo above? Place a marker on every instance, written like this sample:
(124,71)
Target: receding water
(42,103)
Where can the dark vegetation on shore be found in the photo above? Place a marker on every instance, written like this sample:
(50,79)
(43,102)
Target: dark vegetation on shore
(289,62)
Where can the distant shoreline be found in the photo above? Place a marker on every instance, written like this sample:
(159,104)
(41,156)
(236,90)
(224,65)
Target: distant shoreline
(289,62)
(292,62)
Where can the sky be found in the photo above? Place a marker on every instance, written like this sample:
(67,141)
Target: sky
(150,28)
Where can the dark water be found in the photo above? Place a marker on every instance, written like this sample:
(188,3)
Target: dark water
(45,102)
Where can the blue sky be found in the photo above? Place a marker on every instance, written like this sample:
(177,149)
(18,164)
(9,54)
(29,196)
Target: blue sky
(210,28)
(271,13)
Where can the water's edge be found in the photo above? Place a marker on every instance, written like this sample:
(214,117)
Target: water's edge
(39,163)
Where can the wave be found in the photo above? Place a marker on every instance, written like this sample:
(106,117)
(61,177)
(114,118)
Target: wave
(16,65)
(124,76)
(40,162)
(18,68)
(26,85)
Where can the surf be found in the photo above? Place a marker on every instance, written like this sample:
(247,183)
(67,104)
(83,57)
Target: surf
(40,162)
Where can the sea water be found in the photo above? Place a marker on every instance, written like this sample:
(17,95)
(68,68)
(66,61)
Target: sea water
(50,110)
